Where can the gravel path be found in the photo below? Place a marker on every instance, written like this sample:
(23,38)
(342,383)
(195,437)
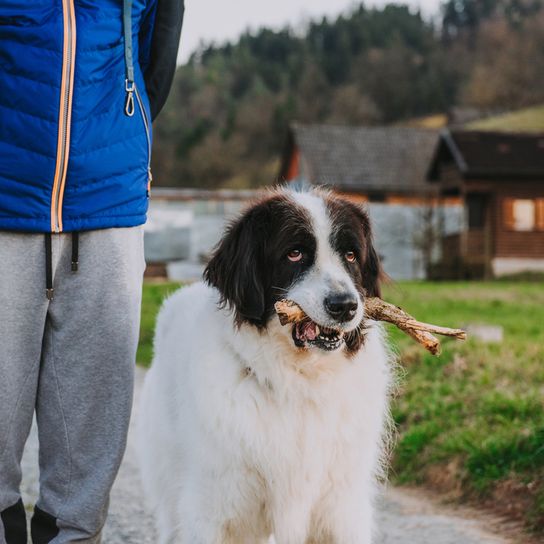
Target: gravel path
(405,516)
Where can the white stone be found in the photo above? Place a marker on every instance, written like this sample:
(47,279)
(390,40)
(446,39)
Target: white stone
(485,333)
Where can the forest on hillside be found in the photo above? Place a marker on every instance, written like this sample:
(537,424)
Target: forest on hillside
(226,119)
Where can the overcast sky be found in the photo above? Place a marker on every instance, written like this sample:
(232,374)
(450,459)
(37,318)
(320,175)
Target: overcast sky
(224,20)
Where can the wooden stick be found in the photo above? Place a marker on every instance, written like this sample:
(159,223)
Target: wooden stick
(289,312)
(379,310)
(426,339)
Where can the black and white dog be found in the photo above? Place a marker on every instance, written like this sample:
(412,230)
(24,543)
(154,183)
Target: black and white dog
(251,432)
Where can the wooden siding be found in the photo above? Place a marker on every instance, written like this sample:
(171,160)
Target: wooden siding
(354,197)
(402,200)
(293,168)
(502,240)
(451,247)
(508,242)
(468,245)
(424,201)
(474,244)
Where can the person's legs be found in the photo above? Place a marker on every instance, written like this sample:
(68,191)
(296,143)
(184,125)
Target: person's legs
(23,308)
(86,382)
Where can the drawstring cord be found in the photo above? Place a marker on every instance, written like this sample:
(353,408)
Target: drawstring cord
(75,251)
(48,267)
(49,290)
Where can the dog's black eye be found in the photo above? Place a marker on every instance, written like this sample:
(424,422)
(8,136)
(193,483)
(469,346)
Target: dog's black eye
(295,255)
(350,256)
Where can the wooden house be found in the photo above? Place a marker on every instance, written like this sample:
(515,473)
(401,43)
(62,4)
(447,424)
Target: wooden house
(378,164)
(500,179)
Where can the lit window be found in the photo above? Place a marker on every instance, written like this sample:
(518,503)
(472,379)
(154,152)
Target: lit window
(522,214)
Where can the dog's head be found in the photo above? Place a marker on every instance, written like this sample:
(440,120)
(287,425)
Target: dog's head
(310,247)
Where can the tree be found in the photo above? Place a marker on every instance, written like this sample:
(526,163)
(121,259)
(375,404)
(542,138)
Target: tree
(231,105)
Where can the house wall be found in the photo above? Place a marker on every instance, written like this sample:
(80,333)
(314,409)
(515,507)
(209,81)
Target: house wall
(509,243)
(496,240)
(504,241)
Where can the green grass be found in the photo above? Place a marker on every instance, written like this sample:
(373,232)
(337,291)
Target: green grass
(526,120)
(153,295)
(471,420)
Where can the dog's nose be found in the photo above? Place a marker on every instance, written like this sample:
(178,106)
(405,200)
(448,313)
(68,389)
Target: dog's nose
(341,307)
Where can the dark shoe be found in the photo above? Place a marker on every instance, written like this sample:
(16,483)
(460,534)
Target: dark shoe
(43,527)
(14,521)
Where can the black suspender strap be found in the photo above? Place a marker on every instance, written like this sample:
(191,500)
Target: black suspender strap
(129,65)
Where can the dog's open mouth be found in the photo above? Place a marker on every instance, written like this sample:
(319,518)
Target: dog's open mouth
(308,333)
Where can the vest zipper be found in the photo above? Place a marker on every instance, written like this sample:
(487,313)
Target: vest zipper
(148,136)
(65,113)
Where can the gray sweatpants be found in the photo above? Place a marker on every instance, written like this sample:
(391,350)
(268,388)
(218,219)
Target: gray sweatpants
(71,361)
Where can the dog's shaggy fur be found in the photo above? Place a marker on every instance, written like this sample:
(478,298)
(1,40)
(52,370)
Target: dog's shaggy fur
(251,431)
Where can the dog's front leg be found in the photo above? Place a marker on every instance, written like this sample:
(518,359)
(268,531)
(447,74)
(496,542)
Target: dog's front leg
(350,520)
(291,524)
(202,520)
(200,531)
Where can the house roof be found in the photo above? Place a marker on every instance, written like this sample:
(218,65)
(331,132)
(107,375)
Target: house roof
(364,159)
(490,155)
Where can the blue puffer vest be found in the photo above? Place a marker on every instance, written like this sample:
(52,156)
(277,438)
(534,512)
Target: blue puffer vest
(71,159)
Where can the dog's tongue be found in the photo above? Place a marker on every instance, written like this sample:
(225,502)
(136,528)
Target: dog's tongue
(307,331)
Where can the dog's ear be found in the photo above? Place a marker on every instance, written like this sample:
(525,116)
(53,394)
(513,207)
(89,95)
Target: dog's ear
(371,269)
(235,269)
